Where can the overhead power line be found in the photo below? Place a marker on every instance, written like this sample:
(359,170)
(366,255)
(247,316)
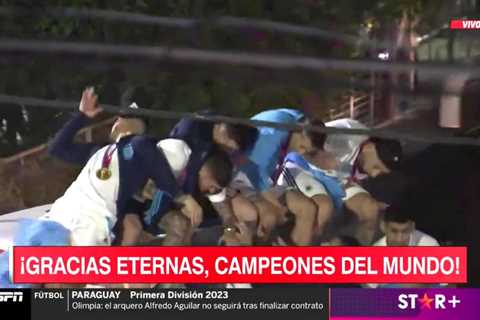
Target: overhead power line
(226,22)
(164,114)
(184,55)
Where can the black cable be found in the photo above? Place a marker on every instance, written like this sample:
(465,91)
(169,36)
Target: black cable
(163,114)
(185,23)
(290,78)
(182,55)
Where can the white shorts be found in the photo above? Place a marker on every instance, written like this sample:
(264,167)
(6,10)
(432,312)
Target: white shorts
(242,184)
(352,190)
(311,187)
(305,182)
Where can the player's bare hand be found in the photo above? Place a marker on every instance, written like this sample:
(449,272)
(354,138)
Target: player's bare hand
(89,103)
(192,210)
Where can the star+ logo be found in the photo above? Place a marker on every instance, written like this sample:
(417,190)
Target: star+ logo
(436,301)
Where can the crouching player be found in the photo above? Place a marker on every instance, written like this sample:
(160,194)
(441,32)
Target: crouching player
(359,157)
(313,175)
(86,214)
(236,139)
(255,179)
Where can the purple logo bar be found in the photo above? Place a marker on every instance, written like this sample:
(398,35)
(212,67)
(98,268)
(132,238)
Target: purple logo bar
(395,304)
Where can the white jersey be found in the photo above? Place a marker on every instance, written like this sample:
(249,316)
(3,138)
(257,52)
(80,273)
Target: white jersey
(346,148)
(88,207)
(417,239)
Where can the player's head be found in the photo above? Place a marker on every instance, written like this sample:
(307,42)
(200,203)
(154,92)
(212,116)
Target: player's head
(234,137)
(127,122)
(398,225)
(216,173)
(307,140)
(380,156)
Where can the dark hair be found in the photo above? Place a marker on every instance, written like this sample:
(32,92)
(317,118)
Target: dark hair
(349,241)
(141,96)
(398,212)
(244,135)
(218,161)
(317,138)
(389,151)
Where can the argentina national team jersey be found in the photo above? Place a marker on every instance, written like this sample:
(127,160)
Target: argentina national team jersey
(345,147)
(88,207)
(266,155)
(303,176)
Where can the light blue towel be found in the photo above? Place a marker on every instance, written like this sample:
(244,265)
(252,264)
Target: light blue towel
(265,154)
(33,232)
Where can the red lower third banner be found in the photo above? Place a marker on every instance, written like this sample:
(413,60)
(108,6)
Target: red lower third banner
(239,265)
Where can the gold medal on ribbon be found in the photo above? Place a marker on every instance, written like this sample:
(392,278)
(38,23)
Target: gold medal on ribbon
(104,174)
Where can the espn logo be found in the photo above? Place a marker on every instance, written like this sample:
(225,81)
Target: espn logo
(465,24)
(11,296)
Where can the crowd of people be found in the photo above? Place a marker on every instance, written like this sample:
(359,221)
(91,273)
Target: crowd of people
(224,184)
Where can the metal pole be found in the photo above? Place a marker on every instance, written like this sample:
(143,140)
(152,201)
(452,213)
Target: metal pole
(372,100)
(352,110)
